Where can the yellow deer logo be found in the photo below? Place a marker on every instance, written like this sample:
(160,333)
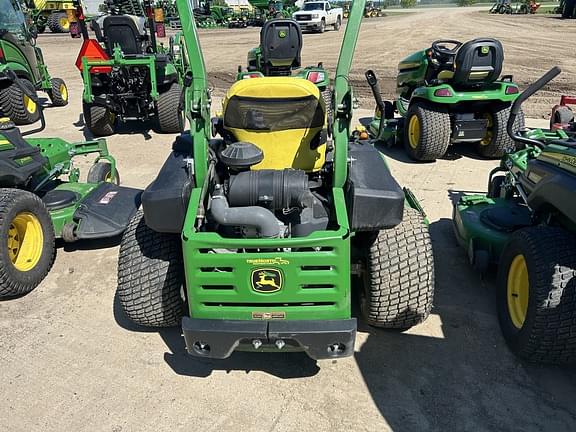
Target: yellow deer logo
(266,280)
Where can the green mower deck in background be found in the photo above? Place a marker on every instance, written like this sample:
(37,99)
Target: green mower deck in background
(42,198)
(526,224)
(449,93)
(19,54)
(279,54)
(250,238)
(127,75)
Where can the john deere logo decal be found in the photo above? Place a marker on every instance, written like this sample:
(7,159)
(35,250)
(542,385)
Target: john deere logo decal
(282,34)
(484,50)
(266,280)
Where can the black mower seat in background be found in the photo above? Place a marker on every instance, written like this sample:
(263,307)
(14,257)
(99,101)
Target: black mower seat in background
(281,45)
(122,30)
(13,173)
(478,62)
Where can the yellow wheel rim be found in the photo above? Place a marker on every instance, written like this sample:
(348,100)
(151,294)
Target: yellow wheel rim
(518,291)
(30,105)
(25,241)
(63,92)
(489,130)
(414,132)
(64,23)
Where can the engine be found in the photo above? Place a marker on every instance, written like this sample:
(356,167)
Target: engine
(263,203)
(132,79)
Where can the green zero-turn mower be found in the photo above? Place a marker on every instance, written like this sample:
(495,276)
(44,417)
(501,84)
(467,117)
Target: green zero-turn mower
(126,75)
(19,53)
(41,198)
(446,94)
(250,239)
(279,54)
(526,223)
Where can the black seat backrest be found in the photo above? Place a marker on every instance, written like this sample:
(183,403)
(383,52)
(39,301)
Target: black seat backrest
(19,164)
(478,62)
(281,45)
(122,30)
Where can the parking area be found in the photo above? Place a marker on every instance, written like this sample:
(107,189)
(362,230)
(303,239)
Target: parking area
(70,360)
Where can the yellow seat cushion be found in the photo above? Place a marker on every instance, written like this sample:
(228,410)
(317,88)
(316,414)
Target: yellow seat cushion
(280,115)
(445,75)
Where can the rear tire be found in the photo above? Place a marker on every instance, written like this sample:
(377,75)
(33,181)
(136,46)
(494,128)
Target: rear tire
(27,248)
(170,117)
(15,104)
(547,332)
(150,275)
(99,120)
(427,132)
(497,142)
(399,283)
(58,22)
(59,92)
(102,172)
(338,24)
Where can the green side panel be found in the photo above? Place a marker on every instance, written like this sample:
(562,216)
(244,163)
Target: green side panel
(63,216)
(315,270)
(411,72)
(315,284)
(14,59)
(471,232)
(496,92)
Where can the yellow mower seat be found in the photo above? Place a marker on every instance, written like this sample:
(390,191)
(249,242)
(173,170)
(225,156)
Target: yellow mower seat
(283,116)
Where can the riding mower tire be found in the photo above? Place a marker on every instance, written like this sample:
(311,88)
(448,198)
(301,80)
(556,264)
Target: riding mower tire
(27,248)
(536,295)
(16,105)
(427,132)
(497,141)
(58,92)
(102,172)
(56,22)
(399,280)
(99,120)
(150,275)
(170,117)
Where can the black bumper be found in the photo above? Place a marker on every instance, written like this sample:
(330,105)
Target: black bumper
(325,339)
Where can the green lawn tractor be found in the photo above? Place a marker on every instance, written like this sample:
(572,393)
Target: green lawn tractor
(279,54)
(446,94)
(19,54)
(526,224)
(250,239)
(126,75)
(41,198)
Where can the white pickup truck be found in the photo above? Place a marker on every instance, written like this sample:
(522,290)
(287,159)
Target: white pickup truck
(317,15)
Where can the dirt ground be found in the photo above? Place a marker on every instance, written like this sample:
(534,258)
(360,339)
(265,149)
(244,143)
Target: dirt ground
(532,45)
(70,361)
